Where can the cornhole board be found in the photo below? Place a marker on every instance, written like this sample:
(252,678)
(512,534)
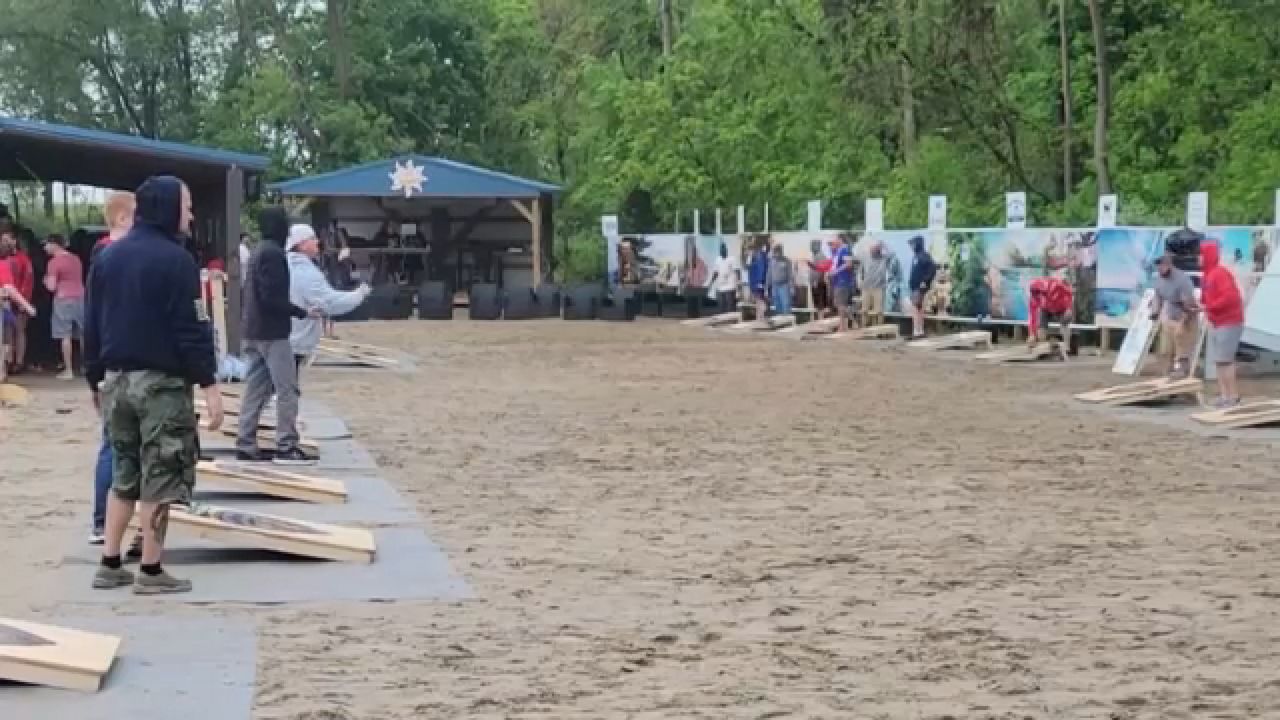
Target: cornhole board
(1253,414)
(270,481)
(1143,392)
(775,322)
(1022,353)
(956,341)
(268,436)
(356,354)
(272,532)
(817,327)
(875,332)
(12,395)
(1138,339)
(714,320)
(55,656)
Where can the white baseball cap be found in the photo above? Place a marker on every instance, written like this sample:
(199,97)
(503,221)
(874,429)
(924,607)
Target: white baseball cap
(299,234)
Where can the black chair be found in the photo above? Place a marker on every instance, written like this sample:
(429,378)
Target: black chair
(390,302)
(486,302)
(548,297)
(521,304)
(622,306)
(435,301)
(581,302)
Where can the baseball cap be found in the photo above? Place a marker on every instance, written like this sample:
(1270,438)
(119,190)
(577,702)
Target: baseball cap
(299,234)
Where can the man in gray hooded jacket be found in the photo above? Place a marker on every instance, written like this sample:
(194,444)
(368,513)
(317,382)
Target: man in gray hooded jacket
(308,287)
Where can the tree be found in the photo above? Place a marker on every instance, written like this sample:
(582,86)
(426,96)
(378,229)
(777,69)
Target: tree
(1101,158)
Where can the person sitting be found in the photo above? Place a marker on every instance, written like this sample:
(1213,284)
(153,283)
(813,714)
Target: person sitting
(1051,300)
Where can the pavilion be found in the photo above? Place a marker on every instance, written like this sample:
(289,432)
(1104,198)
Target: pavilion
(418,218)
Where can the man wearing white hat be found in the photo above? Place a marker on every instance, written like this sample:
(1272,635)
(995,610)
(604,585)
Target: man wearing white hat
(309,288)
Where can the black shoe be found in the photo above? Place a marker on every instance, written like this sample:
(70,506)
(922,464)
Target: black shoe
(251,457)
(293,456)
(134,553)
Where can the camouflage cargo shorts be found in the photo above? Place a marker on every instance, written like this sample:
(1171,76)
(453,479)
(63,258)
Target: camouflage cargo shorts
(151,421)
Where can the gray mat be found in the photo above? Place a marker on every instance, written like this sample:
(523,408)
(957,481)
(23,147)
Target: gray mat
(371,501)
(344,454)
(190,669)
(408,567)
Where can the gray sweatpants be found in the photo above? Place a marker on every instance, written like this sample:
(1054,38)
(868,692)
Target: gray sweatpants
(271,369)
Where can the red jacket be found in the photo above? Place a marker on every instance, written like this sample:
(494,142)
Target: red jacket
(24,276)
(1050,294)
(1218,291)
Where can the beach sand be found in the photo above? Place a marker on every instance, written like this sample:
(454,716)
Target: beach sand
(664,522)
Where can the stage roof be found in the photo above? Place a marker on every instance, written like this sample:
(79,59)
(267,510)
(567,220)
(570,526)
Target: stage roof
(415,176)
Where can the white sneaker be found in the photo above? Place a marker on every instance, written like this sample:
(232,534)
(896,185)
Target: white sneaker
(66,375)
(97,537)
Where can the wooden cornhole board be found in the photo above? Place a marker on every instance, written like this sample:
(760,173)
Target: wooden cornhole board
(1143,392)
(271,532)
(1022,353)
(356,353)
(272,482)
(1253,414)
(13,395)
(714,320)
(817,327)
(956,341)
(875,332)
(775,322)
(54,656)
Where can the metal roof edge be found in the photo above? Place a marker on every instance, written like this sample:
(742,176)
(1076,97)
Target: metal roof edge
(124,142)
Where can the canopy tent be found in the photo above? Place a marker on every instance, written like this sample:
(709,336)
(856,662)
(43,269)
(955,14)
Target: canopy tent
(32,151)
(427,218)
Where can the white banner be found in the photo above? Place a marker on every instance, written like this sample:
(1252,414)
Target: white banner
(874,214)
(1015,210)
(937,212)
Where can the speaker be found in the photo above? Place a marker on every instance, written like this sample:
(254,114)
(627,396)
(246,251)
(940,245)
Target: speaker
(581,302)
(435,301)
(548,297)
(390,302)
(485,302)
(622,307)
(521,304)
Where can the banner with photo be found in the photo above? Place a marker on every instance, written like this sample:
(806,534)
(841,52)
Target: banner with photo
(667,261)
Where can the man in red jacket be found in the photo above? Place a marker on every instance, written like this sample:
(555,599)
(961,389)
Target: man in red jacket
(1224,308)
(1051,299)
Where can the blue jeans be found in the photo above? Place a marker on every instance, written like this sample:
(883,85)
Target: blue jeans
(782,300)
(102,482)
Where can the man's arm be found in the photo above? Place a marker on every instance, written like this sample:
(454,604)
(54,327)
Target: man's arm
(94,370)
(192,334)
(316,292)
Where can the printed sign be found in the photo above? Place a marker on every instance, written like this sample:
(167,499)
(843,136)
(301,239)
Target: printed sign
(1108,207)
(937,212)
(1015,210)
(875,214)
(1198,210)
(815,216)
(609,225)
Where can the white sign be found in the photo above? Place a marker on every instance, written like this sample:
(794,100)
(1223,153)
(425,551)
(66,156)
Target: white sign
(1137,342)
(609,225)
(937,212)
(875,214)
(719,227)
(1015,210)
(1277,207)
(815,216)
(697,222)
(1198,210)
(1108,209)
(742,219)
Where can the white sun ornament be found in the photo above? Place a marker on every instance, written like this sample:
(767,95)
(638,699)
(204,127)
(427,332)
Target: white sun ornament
(407,177)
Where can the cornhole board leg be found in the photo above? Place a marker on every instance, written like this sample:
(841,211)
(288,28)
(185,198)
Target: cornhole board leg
(54,656)
(1142,392)
(963,340)
(271,532)
(1254,414)
(272,482)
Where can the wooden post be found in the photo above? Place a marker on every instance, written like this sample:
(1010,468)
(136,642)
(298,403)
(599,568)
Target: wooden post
(231,205)
(536,235)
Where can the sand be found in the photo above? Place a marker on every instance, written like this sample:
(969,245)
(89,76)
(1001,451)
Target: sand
(662,522)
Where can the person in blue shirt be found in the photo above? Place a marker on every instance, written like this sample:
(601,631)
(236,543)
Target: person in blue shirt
(758,276)
(841,279)
(923,270)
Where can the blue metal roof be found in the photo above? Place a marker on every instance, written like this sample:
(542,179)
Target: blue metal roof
(35,130)
(441,178)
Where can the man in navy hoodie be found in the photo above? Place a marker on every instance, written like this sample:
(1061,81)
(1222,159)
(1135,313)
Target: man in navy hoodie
(920,280)
(267,322)
(147,341)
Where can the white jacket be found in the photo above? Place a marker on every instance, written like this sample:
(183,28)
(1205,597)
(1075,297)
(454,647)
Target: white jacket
(308,289)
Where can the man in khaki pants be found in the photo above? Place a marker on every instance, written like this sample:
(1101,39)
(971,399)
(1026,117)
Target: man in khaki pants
(874,280)
(1176,309)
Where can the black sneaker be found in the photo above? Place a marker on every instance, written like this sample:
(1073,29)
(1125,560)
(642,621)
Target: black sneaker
(251,457)
(134,553)
(293,456)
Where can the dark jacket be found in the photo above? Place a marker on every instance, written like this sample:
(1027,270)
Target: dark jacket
(267,311)
(922,270)
(143,309)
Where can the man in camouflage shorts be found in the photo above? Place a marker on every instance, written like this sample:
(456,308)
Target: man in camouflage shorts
(151,420)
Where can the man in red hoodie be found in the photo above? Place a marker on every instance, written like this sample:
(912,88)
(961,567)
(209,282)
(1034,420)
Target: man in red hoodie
(1224,308)
(1051,299)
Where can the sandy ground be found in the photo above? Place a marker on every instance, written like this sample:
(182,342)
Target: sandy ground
(661,522)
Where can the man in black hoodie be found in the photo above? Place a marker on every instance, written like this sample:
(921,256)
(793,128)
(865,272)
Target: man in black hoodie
(267,320)
(147,341)
(920,280)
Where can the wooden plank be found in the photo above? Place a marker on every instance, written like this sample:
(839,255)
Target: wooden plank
(55,656)
(714,320)
(270,532)
(875,332)
(1021,353)
(1252,414)
(1142,392)
(967,339)
(265,480)
(817,327)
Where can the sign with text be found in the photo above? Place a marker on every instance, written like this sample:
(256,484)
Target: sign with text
(937,212)
(1015,210)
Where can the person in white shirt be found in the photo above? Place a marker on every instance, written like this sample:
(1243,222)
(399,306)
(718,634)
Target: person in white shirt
(308,288)
(246,252)
(725,279)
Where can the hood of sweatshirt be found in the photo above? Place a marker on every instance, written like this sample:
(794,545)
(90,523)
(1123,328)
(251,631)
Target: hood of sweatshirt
(159,204)
(1209,256)
(273,222)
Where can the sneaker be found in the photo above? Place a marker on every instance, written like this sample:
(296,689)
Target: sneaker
(293,456)
(111,578)
(162,584)
(96,537)
(251,457)
(66,375)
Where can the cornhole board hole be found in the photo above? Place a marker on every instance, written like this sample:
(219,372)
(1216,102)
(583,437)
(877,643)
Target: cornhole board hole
(1022,353)
(272,482)
(271,532)
(957,341)
(54,656)
(1142,392)
(1253,414)
(714,320)
(875,332)
(817,327)
(267,436)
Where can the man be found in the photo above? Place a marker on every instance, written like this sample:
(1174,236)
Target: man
(309,288)
(758,276)
(24,283)
(875,278)
(266,327)
(11,304)
(119,214)
(246,254)
(920,279)
(1051,300)
(64,279)
(781,287)
(725,277)
(1175,308)
(1224,308)
(841,279)
(147,341)
(819,268)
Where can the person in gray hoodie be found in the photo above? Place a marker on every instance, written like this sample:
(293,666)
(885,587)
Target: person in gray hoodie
(874,280)
(309,288)
(781,286)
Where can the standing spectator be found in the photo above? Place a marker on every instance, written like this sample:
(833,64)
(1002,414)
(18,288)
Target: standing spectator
(758,276)
(920,279)
(24,282)
(725,277)
(781,285)
(819,268)
(875,278)
(147,341)
(309,288)
(245,253)
(64,278)
(841,279)
(1224,308)
(266,327)
(1176,309)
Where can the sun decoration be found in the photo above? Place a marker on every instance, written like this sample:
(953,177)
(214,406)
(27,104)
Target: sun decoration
(407,177)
